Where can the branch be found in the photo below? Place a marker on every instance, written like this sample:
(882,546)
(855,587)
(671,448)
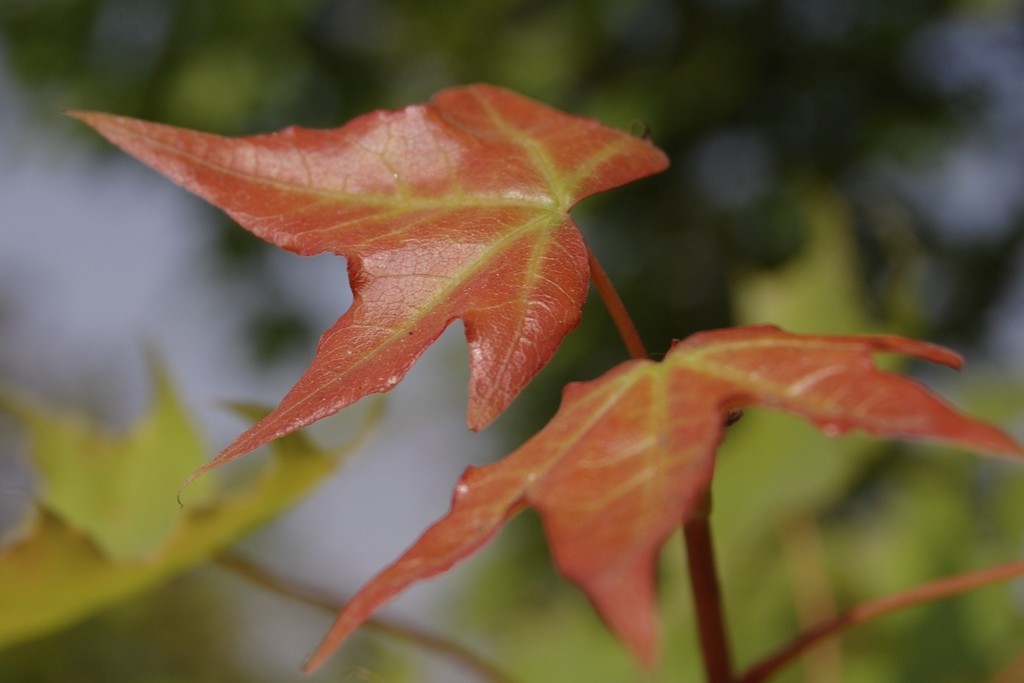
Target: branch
(263,577)
(707,598)
(943,588)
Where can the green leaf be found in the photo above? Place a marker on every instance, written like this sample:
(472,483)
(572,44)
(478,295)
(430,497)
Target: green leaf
(118,490)
(73,559)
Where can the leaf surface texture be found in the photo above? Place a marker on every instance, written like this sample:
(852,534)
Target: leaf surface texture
(456,209)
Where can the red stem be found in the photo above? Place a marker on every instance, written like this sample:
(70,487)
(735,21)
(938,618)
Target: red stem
(943,588)
(707,596)
(696,530)
(613,302)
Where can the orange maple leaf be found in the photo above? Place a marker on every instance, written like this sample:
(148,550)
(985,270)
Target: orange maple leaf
(457,209)
(628,455)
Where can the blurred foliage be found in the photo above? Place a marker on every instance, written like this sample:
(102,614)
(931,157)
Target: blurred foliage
(812,144)
(177,633)
(106,525)
(114,490)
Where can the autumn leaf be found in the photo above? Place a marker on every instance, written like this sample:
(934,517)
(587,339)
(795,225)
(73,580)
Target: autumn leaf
(457,209)
(628,455)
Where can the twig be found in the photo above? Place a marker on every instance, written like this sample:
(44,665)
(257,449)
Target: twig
(943,588)
(707,598)
(432,642)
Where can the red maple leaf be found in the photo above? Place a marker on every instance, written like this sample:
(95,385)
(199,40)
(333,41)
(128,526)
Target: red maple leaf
(454,209)
(628,455)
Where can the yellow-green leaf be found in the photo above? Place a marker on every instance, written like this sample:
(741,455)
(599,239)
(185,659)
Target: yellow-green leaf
(61,569)
(119,490)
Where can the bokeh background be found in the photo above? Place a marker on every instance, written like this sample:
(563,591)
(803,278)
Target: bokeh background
(837,166)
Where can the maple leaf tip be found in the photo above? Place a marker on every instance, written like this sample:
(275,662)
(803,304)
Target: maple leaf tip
(84,115)
(89,118)
(313,662)
(192,477)
(327,647)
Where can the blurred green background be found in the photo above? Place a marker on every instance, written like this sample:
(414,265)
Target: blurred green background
(837,166)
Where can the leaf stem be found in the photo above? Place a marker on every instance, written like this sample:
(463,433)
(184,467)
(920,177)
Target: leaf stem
(707,596)
(700,555)
(942,588)
(265,578)
(613,302)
